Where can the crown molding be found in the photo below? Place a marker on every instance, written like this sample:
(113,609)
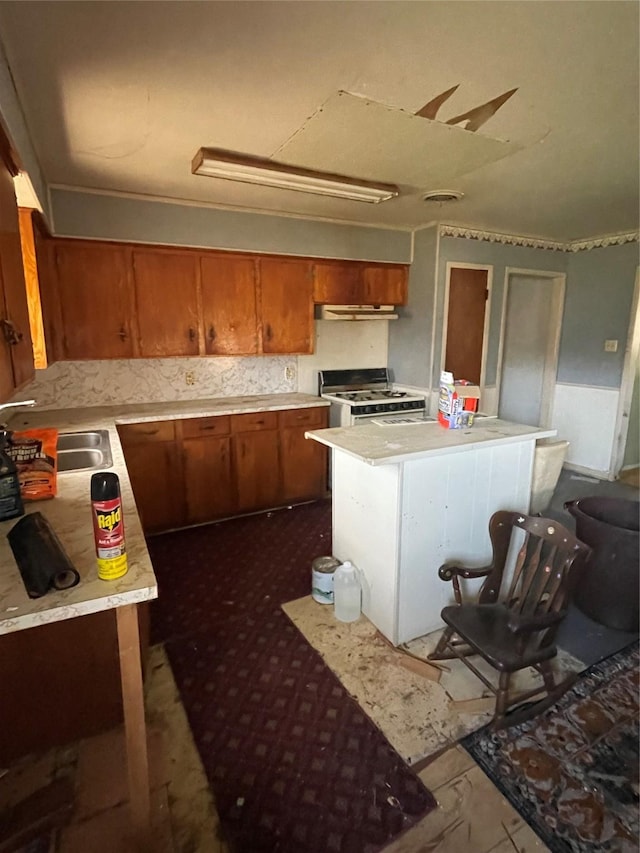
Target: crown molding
(535,243)
(600,242)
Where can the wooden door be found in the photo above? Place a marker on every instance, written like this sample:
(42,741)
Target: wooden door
(166,293)
(286,306)
(18,368)
(256,460)
(206,456)
(468,293)
(229,306)
(94,299)
(337,284)
(154,465)
(304,462)
(385,285)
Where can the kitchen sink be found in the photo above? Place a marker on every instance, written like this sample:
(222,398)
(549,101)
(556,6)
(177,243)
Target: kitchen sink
(83,451)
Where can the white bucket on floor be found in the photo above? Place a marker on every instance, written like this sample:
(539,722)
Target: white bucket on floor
(322,571)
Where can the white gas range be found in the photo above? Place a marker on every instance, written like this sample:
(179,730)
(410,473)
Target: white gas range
(368,395)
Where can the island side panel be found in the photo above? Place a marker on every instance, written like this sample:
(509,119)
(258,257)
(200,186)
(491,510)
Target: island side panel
(365,531)
(447,502)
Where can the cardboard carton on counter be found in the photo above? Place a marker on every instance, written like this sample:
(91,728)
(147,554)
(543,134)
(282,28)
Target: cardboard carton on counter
(458,402)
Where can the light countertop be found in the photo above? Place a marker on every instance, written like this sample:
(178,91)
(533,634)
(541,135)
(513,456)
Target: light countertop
(377,444)
(70,511)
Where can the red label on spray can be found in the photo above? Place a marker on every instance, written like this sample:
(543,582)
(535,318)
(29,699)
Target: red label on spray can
(108,529)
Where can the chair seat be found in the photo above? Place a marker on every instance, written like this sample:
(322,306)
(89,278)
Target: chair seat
(485,628)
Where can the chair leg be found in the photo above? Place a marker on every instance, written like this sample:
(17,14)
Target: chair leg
(440,651)
(502,700)
(546,671)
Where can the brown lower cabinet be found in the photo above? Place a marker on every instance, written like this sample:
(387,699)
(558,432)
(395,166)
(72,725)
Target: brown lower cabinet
(61,682)
(201,469)
(155,470)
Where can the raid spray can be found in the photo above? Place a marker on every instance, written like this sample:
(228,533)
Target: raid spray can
(108,525)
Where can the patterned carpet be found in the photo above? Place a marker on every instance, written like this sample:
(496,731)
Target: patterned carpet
(572,772)
(295,765)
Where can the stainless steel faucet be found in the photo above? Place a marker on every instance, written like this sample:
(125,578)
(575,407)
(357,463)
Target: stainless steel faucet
(4,406)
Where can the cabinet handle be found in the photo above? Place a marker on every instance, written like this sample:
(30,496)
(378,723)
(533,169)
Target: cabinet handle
(212,333)
(192,334)
(12,334)
(268,332)
(122,334)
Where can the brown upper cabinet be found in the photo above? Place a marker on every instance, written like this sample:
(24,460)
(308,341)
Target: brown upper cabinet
(286,306)
(94,304)
(113,300)
(229,304)
(16,352)
(166,294)
(360,283)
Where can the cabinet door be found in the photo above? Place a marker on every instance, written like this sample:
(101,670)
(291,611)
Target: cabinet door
(155,471)
(286,306)
(166,293)
(338,284)
(16,361)
(206,457)
(229,307)
(95,302)
(304,462)
(256,469)
(209,491)
(385,285)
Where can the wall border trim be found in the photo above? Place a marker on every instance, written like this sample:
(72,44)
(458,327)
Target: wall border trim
(536,243)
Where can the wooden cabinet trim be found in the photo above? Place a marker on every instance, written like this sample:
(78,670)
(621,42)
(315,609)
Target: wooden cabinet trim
(253,421)
(213,425)
(147,431)
(303,417)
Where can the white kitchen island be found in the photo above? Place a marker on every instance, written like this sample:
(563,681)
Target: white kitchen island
(407,498)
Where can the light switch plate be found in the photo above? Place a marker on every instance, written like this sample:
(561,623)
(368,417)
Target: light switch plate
(611,346)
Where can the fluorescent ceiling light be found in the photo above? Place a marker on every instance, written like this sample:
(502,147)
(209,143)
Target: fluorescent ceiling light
(253,170)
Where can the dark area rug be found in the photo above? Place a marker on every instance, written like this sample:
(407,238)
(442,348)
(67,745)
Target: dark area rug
(572,772)
(294,764)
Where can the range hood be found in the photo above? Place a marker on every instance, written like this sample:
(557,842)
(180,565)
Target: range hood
(358,312)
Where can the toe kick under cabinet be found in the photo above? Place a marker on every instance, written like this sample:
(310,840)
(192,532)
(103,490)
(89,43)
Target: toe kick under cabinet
(196,470)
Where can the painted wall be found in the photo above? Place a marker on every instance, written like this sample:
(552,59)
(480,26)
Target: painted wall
(411,337)
(13,120)
(341,346)
(598,305)
(94,215)
(500,256)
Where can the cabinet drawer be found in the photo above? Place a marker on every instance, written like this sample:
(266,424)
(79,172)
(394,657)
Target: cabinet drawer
(253,421)
(214,425)
(145,432)
(315,417)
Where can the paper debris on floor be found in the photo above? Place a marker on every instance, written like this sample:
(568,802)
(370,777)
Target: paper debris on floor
(421,706)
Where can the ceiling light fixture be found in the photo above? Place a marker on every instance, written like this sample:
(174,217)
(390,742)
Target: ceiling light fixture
(253,170)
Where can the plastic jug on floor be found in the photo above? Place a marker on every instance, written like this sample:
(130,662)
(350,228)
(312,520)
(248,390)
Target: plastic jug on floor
(346,593)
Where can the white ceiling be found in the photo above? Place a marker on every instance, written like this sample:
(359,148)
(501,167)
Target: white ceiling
(118,96)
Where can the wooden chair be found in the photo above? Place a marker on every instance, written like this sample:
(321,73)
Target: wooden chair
(518,631)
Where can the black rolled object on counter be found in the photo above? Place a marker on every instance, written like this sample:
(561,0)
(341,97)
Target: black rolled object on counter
(43,562)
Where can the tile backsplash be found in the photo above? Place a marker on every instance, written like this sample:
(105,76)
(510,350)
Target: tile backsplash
(72,384)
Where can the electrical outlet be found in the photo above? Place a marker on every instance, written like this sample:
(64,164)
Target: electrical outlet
(611,346)
(190,377)
(289,374)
